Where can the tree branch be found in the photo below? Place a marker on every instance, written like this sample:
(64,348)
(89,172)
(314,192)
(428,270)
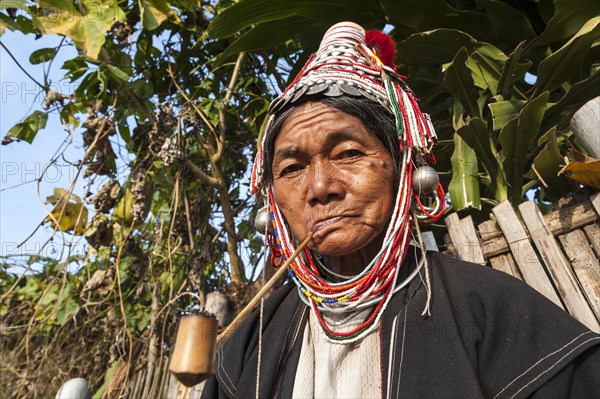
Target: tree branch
(222,113)
(202,175)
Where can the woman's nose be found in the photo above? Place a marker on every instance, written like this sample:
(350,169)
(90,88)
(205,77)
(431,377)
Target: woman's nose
(323,184)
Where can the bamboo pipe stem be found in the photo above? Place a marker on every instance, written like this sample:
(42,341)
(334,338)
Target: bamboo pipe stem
(264,290)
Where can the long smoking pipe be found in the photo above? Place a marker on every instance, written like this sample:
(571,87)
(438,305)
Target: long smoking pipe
(263,291)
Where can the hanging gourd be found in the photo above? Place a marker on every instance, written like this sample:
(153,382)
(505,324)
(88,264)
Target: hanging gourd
(194,353)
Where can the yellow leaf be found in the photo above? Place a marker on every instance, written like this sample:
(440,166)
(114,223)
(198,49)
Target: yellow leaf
(69,214)
(123,211)
(85,22)
(586,173)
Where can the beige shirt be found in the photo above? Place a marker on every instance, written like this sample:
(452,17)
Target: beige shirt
(330,370)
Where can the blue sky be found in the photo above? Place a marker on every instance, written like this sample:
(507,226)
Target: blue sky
(20,207)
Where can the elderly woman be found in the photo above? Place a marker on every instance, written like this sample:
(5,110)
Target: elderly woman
(366,312)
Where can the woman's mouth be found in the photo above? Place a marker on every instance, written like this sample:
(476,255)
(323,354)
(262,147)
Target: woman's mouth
(324,223)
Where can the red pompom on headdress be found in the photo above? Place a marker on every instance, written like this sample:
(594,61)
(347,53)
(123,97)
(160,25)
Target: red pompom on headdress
(383,46)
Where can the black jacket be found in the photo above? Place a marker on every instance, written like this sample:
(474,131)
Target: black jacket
(489,336)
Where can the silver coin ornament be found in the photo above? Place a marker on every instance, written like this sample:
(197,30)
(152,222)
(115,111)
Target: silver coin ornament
(425,180)
(262,221)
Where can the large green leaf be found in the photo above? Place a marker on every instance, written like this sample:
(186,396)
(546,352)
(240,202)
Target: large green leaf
(516,138)
(486,64)
(276,33)
(560,65)
(434,14)
(255,12)
(481,140)
(27,129)
(503,112)
(512,24)
(464,187)
(85,23)
(569,17)
(512,72)
(437,46)
(427,15)
(560,113)
(460,82)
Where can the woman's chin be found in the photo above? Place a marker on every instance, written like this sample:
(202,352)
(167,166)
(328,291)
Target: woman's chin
(338,242)
(332,246)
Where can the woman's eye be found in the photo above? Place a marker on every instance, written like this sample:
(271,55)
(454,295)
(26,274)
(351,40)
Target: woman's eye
(290,169)
(350,154)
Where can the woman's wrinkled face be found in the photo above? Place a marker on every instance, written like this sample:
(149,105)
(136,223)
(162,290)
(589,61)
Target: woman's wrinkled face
(332,176)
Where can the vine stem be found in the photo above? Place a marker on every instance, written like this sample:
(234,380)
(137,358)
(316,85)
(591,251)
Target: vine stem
(21,67)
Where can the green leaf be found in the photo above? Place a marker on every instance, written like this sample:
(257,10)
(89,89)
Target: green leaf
(42,55)
(124,132)
(276,33)
(464,187)
(257,12)
(142,88)
(117,73)
(560,65)
(437,46)
(67,115)
(508,21)
(87,30)
(31,289)
(28,129)
(65,310)
(476,136)
(426,15)
(7,22)
(460,82)
(75,67)
(516,138)
(155,12)
(560,114)
(485,65)
(512,72)
(107,377)
(548,164)
(503,112)
(568,17)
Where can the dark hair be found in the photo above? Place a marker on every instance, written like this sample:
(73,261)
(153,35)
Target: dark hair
(373,116)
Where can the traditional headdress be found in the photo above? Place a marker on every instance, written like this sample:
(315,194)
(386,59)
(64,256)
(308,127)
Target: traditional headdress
(352,62)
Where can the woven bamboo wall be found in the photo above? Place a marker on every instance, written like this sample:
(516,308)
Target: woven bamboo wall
(557,253)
